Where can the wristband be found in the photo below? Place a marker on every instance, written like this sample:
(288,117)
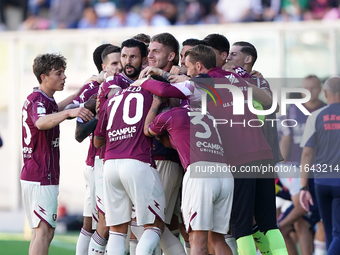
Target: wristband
(304,188)
(82,105)
(149,132)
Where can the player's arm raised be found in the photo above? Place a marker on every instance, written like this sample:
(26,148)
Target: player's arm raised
(51,120)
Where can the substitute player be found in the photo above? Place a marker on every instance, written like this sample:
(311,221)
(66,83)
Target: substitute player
(322,134)
(39,179)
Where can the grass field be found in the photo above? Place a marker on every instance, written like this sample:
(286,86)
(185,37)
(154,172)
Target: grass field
(15,244)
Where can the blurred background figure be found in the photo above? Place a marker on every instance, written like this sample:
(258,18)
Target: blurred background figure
(317,9)
(292,10)
(265,10)
(66,13)
(234,11)
(21,4)
(104,10)
(166,8)
(124,18)
(35,6)
(150,17)
(35,23)
(90,19)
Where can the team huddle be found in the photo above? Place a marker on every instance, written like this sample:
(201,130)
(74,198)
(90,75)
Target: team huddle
(151,125)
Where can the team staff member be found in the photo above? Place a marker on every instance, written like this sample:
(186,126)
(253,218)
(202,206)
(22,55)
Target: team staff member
(322,134)
(41,116)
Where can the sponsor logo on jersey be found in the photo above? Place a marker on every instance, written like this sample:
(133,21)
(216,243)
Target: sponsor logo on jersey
(122,131)
(210,146)
(110,78)
(27,150)
(41,110)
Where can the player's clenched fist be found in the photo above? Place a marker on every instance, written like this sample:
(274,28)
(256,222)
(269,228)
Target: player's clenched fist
(83,113)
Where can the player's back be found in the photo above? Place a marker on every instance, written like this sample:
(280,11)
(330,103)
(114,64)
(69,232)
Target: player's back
(192,134)
(242,141)
(122,124)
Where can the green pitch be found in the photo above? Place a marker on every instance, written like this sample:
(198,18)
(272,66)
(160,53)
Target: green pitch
(14,244)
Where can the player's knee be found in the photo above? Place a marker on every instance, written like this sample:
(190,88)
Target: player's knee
(158,223)
(87,224)
(215,238)
(301,225)
(198,238)
(285,231)
(103,231)
(44,233)
(50,234)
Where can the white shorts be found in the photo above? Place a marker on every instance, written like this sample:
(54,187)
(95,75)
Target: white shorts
(90,209)
(282,204)
(40,203)
(98,182)
(293,184)
(89,191)
(171,175)
(207,202)
(127,182)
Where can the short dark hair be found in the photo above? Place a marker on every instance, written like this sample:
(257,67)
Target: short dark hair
(143,38)
(203,54)
(169,41)
(313,76)
(193,42)
(130,43)
(218,42)
(108,50)
(45,63)
(97,56)
(247,49)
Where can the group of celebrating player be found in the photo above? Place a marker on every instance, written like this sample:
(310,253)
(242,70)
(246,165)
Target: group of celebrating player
(149,135)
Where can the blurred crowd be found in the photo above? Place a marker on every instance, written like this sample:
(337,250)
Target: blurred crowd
(83,14)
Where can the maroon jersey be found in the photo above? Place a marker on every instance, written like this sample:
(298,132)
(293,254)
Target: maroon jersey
(256,81)
(194,136)
(88,90)
(187,91)
(119,80)
(122,124)
(40,147)
(242,143)
(269,129)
